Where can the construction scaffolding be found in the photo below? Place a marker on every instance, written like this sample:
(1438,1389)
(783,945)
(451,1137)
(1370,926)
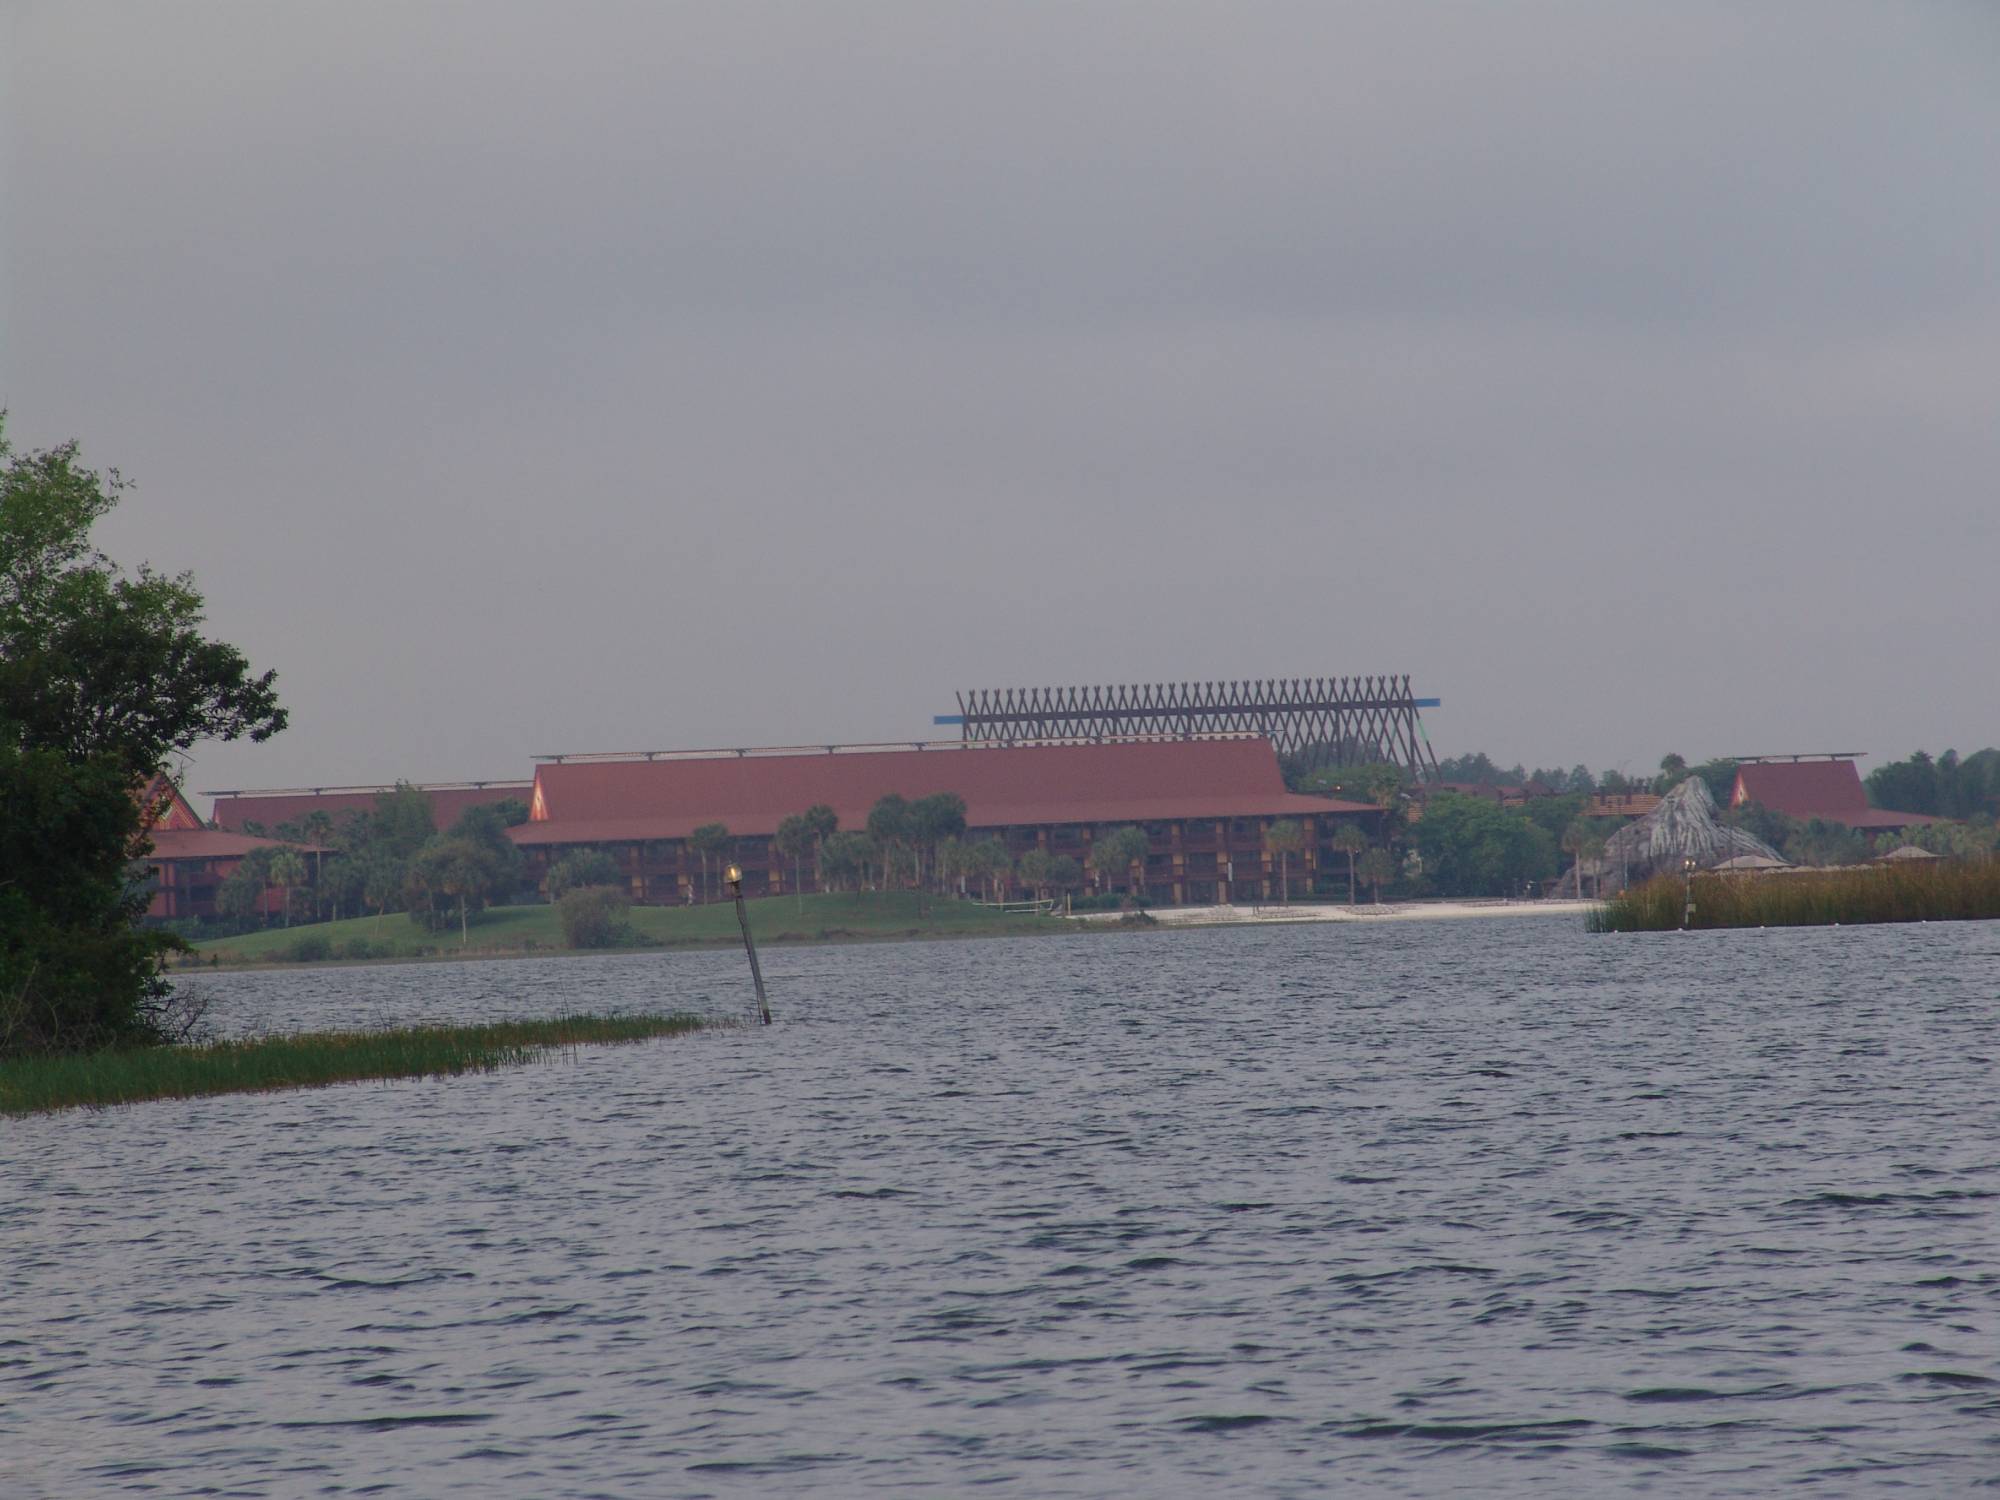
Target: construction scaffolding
(1317,721)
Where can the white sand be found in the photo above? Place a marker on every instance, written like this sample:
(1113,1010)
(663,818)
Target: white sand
(1404,911)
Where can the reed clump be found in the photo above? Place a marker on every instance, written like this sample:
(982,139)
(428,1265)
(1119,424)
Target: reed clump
(32,1085)
(1947,891)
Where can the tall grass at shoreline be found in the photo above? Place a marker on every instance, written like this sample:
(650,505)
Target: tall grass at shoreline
(33,1085)
(1948,891)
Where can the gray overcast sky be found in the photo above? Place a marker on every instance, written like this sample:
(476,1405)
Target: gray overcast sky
(536,377)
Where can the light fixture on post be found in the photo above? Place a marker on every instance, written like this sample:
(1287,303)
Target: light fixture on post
(735,875)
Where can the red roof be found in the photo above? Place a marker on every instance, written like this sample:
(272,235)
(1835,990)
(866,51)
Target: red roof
(163,806)
(210,843)
(269,809)
(1829,790)
(1017,786)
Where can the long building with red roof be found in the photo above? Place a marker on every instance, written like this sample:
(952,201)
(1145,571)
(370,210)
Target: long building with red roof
(237,811)
(1824,787)
(1203,804)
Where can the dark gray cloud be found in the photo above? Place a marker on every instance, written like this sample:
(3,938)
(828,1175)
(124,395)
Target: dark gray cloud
(524,378)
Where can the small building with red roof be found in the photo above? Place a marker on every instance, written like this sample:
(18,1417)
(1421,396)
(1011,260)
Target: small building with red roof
(1204,806)
(186,861)
(1827,787)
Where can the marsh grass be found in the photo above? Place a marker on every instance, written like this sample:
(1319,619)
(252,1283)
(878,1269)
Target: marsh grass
(308,1060)
(1948,891)
(831,918)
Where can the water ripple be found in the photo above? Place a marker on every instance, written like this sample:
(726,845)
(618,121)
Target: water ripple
(1482,1209)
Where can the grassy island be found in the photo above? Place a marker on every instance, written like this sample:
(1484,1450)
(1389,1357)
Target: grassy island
(32,1085)
(1946,891)
(512,930)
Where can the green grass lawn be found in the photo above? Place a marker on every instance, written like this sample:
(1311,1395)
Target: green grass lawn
(30,1085)
(518,929)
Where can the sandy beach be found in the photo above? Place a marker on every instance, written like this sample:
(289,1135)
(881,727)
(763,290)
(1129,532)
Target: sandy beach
(1400,911)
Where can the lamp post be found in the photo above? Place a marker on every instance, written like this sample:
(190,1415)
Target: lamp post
(1687,895)
(749,945)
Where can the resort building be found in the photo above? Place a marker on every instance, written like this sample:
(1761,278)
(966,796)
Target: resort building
(1204,806)
(240,812)
(188,860)
(1826,787)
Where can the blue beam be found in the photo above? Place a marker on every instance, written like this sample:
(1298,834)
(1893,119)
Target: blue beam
(948,718)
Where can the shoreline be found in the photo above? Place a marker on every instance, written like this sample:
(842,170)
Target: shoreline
(1172,917)
(1399,911)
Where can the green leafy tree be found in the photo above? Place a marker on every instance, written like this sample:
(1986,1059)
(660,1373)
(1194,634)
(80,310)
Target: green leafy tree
(1349,840)
(76,972)
(95,661)
(402,822)
(708,841)
(989,862)
(1471,847)
(240,897)
(454,875)
(1065,874)
(485,824)
(103,675)
(342,882)
(383,880)
(581,869)
(1285,838)
(1673,771)
(1034,868)
(1377,869)
(847,856)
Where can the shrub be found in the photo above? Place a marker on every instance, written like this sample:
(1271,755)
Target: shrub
(362,948)
(594,917)
(313,948)
(574,872)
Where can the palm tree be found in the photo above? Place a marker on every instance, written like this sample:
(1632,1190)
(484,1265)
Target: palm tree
(934,819)
(1349,840)
(991,862)
(1378,868)
(793,839)
(889,826)
(317,826)
(1582,840)
(288,868)
(1121,848)
(710,838)
(382,881)
(1035,868)
(822,822)
(1285,838)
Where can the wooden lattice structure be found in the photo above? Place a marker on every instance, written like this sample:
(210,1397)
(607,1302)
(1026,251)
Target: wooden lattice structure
(1320,721)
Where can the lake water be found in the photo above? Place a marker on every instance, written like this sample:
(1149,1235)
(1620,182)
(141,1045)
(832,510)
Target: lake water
(1480,1208)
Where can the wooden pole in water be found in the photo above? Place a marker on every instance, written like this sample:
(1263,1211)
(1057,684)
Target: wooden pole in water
(749,943)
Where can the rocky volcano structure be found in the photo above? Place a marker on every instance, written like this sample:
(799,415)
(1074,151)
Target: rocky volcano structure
(1682,827)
